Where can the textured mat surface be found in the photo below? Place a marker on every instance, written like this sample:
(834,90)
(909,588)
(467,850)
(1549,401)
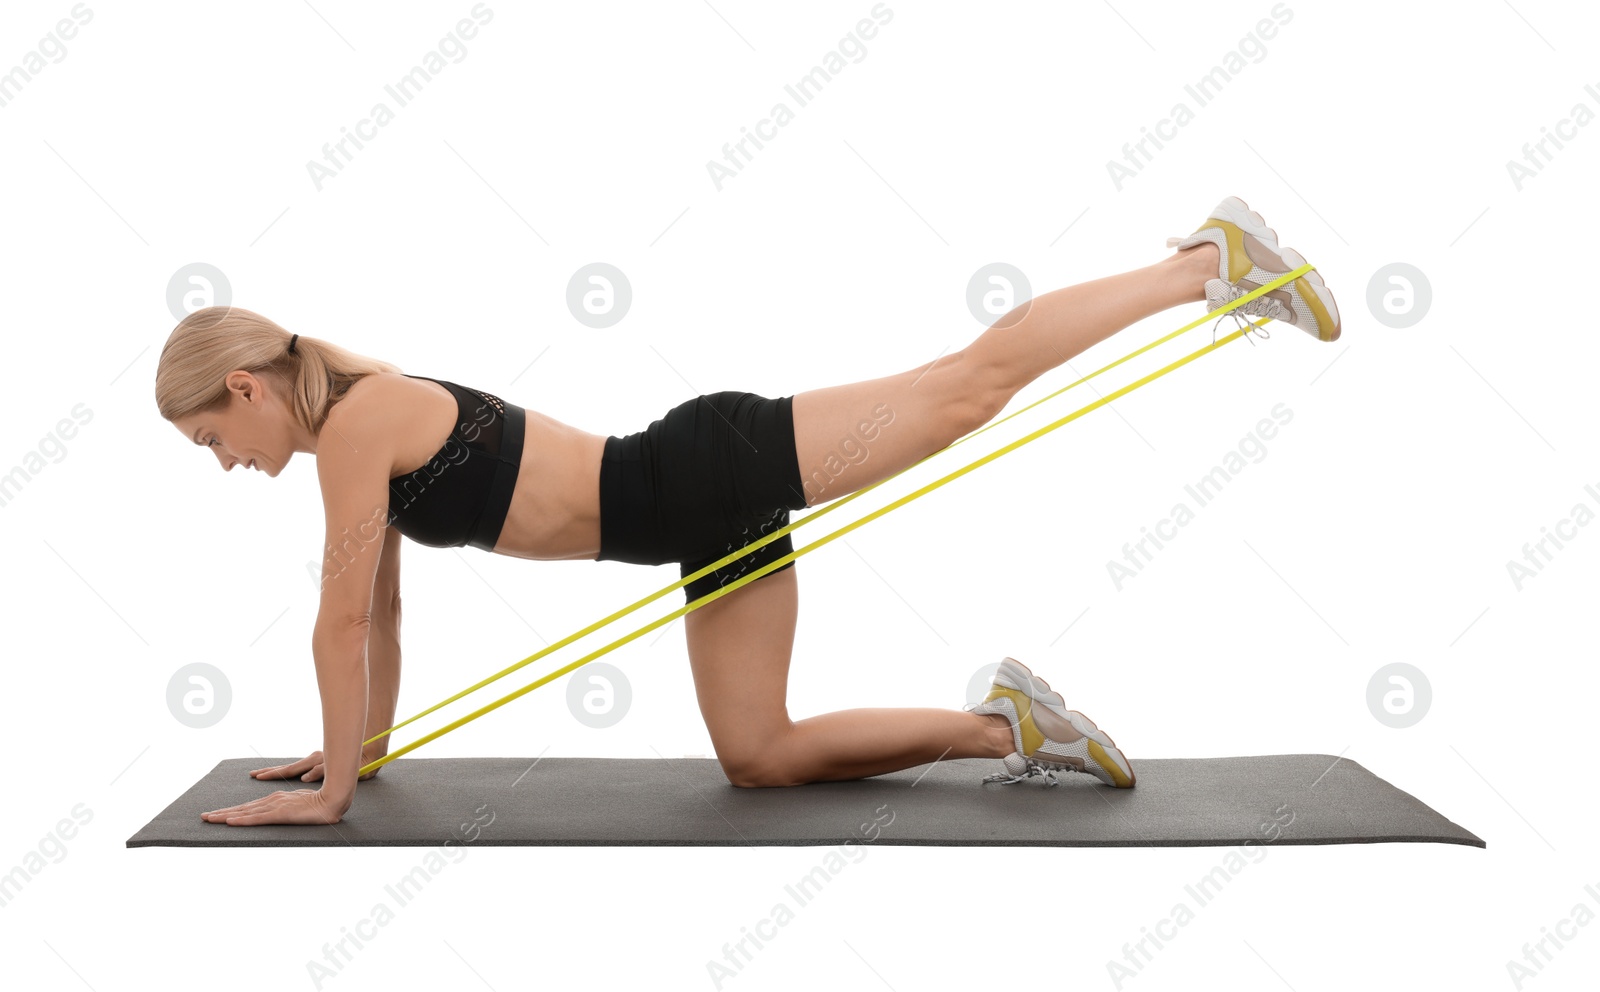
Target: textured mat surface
(605,802)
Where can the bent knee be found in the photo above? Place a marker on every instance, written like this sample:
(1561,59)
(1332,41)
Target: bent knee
(755,772)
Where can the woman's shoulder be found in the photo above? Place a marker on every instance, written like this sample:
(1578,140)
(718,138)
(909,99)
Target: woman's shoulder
(385,415)
(376,388)
(387,397)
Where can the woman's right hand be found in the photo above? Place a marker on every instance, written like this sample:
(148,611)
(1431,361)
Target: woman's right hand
(309,769)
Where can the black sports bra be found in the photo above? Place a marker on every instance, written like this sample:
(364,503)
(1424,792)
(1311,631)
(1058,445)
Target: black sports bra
(462,495)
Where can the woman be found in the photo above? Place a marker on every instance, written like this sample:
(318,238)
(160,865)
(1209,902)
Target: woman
(449,466)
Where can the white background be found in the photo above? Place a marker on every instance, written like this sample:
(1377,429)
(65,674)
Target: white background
(1376,529)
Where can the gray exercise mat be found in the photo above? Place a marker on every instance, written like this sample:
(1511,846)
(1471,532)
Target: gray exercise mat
(649,802)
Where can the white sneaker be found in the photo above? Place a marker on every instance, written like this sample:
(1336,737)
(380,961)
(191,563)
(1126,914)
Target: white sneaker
(1250,259)
(1049,737)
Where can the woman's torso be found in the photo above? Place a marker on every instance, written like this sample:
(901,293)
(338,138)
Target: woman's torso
(555,505)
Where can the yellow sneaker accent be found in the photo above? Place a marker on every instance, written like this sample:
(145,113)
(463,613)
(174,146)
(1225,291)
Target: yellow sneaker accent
(1031,735)
(1325,323)
(1305,302)
(1239,263)
(1109,764)
(1048,737)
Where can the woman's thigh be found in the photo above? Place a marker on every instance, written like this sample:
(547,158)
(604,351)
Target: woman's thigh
(739,650)
(849,437)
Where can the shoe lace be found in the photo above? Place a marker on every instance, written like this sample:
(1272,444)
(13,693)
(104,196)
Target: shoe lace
(1261,306)
(1033,768)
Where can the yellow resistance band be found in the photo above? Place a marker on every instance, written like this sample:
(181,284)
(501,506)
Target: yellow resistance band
(724,590)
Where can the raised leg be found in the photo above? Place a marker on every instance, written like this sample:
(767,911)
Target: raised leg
(851,436)
(848,437)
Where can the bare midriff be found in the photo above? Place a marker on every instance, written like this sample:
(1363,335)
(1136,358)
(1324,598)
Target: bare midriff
(555,506)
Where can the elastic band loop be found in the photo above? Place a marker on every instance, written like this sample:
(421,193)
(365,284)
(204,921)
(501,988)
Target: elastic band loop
(770,566)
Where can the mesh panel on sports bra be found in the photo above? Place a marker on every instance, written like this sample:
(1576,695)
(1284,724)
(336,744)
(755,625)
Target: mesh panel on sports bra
(485,421)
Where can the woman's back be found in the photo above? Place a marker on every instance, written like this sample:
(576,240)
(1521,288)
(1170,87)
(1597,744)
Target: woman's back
(472,468)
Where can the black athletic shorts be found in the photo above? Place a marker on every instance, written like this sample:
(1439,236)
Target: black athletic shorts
(714,474)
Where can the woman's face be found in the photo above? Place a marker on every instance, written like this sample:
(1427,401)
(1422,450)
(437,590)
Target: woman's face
(253,430)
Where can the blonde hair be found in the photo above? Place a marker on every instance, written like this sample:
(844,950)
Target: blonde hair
(213,341)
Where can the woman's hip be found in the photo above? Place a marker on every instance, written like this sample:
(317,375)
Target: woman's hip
(713,469)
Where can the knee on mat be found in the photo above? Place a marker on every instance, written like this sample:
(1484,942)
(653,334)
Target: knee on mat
(755,772)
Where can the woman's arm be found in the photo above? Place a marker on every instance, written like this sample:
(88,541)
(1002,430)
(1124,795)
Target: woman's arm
(383,650)
(339,645)
(354,456)
(383,673)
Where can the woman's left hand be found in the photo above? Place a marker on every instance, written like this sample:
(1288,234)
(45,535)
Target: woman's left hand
(299,806)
